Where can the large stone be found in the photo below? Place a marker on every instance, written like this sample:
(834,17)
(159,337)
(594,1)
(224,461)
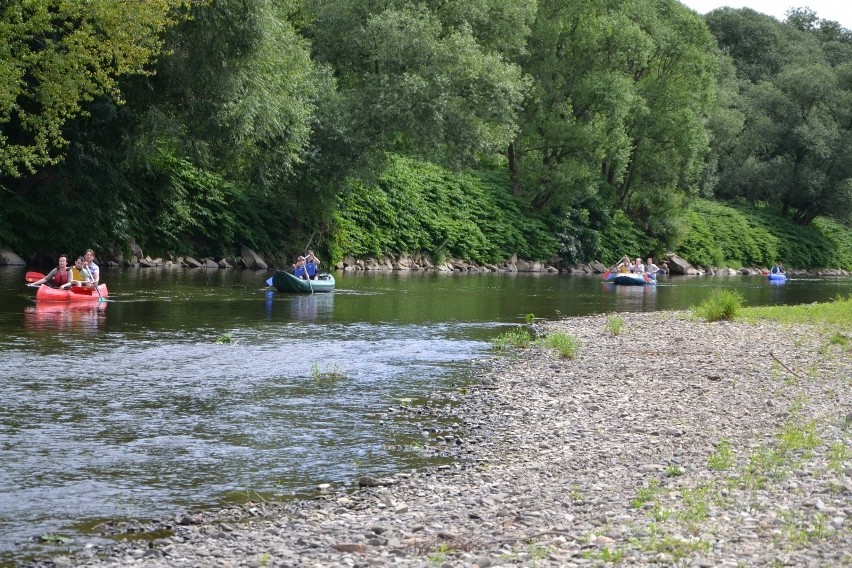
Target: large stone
(678,265)
(253,260)
(135,249)
(8,258)
(598,267)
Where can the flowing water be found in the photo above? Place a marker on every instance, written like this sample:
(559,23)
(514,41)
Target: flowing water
(193,388)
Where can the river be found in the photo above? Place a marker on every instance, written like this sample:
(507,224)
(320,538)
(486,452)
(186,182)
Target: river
(192,388)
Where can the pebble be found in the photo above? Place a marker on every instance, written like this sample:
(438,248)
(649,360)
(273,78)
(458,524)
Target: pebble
(579,461)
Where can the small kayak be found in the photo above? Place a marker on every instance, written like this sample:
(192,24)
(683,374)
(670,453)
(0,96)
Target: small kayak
(76,294)
(286,282)
(777,277)
(629,279)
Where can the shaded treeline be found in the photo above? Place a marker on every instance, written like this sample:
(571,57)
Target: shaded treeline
(573,128)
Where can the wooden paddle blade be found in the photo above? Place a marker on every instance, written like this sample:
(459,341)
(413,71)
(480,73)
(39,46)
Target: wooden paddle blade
(33,276)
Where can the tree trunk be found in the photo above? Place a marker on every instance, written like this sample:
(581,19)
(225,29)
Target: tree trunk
(514,155)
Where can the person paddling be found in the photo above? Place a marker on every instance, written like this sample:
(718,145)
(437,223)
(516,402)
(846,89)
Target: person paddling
(59,277)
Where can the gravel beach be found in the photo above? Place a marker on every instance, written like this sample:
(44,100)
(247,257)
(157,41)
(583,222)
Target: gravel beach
(674,443)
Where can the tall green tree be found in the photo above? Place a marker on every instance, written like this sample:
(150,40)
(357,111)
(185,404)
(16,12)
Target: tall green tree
(794,148)
(616,117)
(427,78)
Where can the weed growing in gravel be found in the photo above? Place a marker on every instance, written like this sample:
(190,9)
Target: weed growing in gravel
(696,504)
(674,471)
(799,531)
(719,305)
(566,345)
(575,494)
(839,339)
(440,555)
(537,552)
(529,318)
(794,437)
(605,555)
(723,459)
(678,549)
(613,324)
(517,337)
(838,453)
(647,494)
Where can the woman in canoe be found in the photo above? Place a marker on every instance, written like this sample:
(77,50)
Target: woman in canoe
(59,277)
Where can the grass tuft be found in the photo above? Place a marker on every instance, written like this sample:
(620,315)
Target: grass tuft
(566,345)
(720,305)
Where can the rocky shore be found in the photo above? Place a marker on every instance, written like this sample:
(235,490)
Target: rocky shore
(675,442)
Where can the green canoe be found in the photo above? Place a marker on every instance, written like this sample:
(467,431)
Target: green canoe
(286,282)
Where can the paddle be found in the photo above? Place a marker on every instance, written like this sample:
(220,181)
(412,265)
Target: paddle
(33,276)
(88,275)
(269,281)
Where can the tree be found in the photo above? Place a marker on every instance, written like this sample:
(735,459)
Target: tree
(428,78)
(793,147)
(616,116)
(56,56)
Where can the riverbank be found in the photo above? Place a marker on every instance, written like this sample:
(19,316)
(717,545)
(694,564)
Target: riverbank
(736,450)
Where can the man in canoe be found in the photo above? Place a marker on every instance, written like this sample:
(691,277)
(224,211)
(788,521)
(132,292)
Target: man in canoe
(78,276)
(311,265)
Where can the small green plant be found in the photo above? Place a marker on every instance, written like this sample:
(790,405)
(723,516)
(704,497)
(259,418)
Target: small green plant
(529,318)
(518,337)
(439,556)
(837,455)
(566,345)
(674,471)
(225,338)
(605,555)
(798,437)
(719,305)
(614,323)
(647,494)
(696,504)
(334,375)
(839,339)
(538,552)
(264,559)
(723,458)
(56,539)
(575,493)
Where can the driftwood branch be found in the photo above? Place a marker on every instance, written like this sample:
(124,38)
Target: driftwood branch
(780,362)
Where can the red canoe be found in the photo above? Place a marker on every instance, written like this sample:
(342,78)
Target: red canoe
(76,294)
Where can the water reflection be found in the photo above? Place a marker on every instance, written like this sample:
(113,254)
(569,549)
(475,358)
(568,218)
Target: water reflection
(632,298)
(309,307)
(65,317)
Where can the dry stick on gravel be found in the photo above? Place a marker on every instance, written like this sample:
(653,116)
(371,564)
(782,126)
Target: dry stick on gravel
(780,362)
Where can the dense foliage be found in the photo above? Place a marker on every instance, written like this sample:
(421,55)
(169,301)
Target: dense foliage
(735,235)
(479,129)
(421,208)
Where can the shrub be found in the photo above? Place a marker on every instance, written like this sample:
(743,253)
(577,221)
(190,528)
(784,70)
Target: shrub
(720,305)
(566,345)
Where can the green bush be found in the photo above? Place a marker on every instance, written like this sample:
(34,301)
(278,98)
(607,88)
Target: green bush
(420,207)
(564,344)
(719,305)
(730,234)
